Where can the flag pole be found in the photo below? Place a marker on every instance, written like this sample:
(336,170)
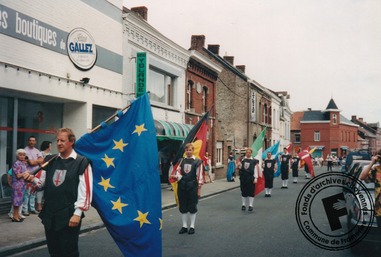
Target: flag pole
(44,165)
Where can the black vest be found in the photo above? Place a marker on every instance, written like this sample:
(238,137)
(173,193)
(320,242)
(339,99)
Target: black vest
(61,190)
(191,174)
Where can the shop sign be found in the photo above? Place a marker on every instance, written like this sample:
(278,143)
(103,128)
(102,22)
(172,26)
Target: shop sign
(141,73)
(81,49)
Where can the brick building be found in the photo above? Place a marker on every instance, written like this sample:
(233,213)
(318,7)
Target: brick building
(200,94)
(328,131)
(239,106)
(369,134)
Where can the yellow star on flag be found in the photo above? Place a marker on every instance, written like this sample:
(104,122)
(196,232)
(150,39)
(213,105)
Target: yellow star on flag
(142,218)
(119,144)
(106,184)
(139,129)
(161,224)
(109,161)
(118,205)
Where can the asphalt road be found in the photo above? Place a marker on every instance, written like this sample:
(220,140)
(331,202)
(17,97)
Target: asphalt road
(222,229)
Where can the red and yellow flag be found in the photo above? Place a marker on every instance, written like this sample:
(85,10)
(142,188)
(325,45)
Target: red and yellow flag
(197,136)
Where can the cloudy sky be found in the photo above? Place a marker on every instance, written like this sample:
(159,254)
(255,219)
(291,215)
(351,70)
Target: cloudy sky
(314,49)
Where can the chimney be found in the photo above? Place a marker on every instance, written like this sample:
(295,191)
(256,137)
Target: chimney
(142,11)
(197,42)
(241,68)
(354,118)
(229,59)
(214,49)
(361,119)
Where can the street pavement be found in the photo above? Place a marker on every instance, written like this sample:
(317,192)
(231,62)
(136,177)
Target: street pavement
(17,237)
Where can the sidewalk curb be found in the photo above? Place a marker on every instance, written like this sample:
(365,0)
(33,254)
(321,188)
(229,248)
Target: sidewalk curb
(10,250)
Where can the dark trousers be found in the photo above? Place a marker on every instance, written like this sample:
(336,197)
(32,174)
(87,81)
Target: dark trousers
(329,166)
(269,178)
(63,243)
(247,189)
(284,172)
(295,172)
(188,200)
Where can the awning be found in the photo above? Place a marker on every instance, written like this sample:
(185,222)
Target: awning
(171,130)
(318,147)
(344,147)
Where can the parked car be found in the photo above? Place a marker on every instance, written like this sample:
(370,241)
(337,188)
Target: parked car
(357,215)
(355,155)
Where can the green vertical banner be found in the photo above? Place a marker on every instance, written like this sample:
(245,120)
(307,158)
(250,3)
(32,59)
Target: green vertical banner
(141,73)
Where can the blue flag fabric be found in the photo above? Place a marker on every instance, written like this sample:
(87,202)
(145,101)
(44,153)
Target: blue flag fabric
(126,188)
(273,149)
(277,173)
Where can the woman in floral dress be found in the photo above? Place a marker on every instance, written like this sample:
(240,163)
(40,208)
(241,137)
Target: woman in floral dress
(18,184)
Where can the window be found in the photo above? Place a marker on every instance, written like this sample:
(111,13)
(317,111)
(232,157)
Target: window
(219,153)
(161,87)
(317,136)
(101,114)
(189,93)
(334,118)
(204,99)
(297,138)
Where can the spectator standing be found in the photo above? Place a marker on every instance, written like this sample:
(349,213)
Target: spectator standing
(372,173)
(231,168)
(34,160)
(18,184)
(208,167)
(329,162)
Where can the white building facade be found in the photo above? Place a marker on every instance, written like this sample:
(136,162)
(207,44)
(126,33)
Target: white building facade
(61,65)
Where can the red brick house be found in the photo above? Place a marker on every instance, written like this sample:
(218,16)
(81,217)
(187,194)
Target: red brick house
(328,131)
(200,94)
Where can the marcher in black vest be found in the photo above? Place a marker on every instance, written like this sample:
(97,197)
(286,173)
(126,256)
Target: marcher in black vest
(285,164)
(295,168)
(248,178)
(269,168)
(67,194)
(189,177)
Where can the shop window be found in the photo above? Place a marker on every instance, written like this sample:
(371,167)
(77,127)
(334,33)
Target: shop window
(161,87)
(31,118)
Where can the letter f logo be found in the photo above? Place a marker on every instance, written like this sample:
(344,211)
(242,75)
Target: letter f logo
(335,208)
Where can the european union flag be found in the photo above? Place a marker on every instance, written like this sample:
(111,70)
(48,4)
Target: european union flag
(126,189)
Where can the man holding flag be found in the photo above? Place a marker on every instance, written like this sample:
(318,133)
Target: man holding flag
(189,177)
(194,147)
(67,193)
